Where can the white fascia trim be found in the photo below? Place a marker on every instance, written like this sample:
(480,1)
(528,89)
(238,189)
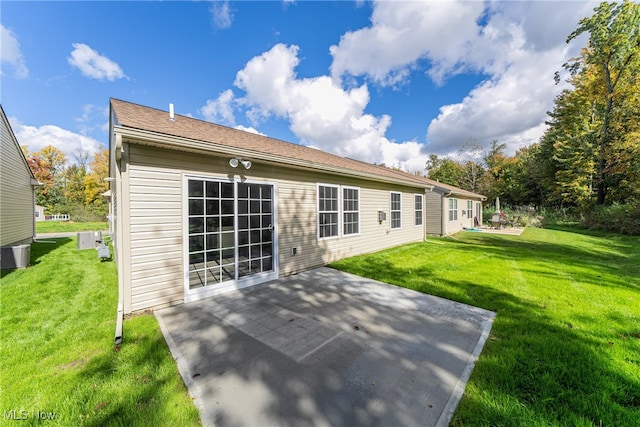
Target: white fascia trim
(186,144)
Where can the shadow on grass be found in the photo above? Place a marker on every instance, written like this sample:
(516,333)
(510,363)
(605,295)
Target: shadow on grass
(38,250)
(535,369)
(41,248)
(132,396)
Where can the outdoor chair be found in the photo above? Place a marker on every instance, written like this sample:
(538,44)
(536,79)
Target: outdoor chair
(495,221)
(513,222)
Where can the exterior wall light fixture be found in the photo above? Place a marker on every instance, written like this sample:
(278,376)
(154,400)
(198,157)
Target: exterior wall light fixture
(236,161)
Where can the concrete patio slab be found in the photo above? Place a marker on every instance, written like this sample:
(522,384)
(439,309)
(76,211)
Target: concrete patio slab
(325,348)
(514,231)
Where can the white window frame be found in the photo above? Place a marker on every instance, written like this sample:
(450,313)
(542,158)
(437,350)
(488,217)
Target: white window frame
(319,212)
(470,209)
(453,209)
(344,211)
(392,211)
(416,210)
(206,292)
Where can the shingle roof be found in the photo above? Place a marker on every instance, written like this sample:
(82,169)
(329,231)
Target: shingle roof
(134,116)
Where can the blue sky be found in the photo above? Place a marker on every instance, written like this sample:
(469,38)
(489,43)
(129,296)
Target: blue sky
(385,81)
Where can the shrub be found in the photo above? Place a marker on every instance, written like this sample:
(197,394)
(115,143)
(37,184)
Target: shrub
(618,218)
(80,213)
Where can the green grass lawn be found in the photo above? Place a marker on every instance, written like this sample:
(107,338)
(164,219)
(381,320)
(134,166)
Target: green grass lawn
(57,355)
(69,226)
(565,344)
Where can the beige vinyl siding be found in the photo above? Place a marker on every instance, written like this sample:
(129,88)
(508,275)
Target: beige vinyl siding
(297,219)
(155,206)
(17,204)
(462,221)
(155,218)
(434,213)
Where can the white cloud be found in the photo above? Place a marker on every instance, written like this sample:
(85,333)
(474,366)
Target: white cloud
(514,49)
(71,143)
(401,33)
(321,113)
(250,129)
(11,54)
(93,117)
(221,15)
(94,65)
(517,45)
(510,105)
(220,110)
(508,43)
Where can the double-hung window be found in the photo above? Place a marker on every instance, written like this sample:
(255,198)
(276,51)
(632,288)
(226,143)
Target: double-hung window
(350,211)
(396,210)
(328,213)
(418,208)
(469,209)
(453,209)
(338,211)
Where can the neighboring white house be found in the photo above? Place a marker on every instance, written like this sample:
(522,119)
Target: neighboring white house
(39,213)
(450,209)
(199,209)
(17,197)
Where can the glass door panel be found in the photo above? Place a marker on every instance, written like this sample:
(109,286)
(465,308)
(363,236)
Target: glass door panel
(255,228)
(211,233)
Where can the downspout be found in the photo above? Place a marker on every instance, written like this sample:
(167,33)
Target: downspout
(34,185)
(118,184)
(120,306)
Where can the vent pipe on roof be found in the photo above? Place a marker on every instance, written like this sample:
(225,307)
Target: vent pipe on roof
(171,115)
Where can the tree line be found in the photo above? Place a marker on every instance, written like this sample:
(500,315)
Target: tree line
(71,188)
(588,159)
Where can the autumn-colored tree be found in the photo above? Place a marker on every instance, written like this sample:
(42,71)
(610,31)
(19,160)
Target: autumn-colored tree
(74,190)
(613,58)
(54,159)
(48,167)
(94,183)
(569,144)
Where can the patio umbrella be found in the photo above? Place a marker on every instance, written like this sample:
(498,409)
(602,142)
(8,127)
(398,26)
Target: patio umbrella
(497,204)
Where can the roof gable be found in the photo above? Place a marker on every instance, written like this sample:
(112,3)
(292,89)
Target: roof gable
(16,144)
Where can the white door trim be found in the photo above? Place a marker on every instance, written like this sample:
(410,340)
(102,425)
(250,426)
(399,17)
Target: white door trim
(237,283)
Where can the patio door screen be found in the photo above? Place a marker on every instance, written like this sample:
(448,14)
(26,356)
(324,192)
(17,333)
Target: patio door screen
(230,234)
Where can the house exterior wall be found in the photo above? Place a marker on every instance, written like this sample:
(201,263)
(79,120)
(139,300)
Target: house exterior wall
(150,215)
(463,220)
(17,199)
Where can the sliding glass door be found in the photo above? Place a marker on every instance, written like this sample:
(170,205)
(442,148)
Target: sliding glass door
(230,233)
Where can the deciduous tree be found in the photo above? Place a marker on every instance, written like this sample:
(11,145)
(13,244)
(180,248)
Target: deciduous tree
(614,51)
(94,183)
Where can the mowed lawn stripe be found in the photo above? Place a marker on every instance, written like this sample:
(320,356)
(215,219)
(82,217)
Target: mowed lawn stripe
(565,344)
